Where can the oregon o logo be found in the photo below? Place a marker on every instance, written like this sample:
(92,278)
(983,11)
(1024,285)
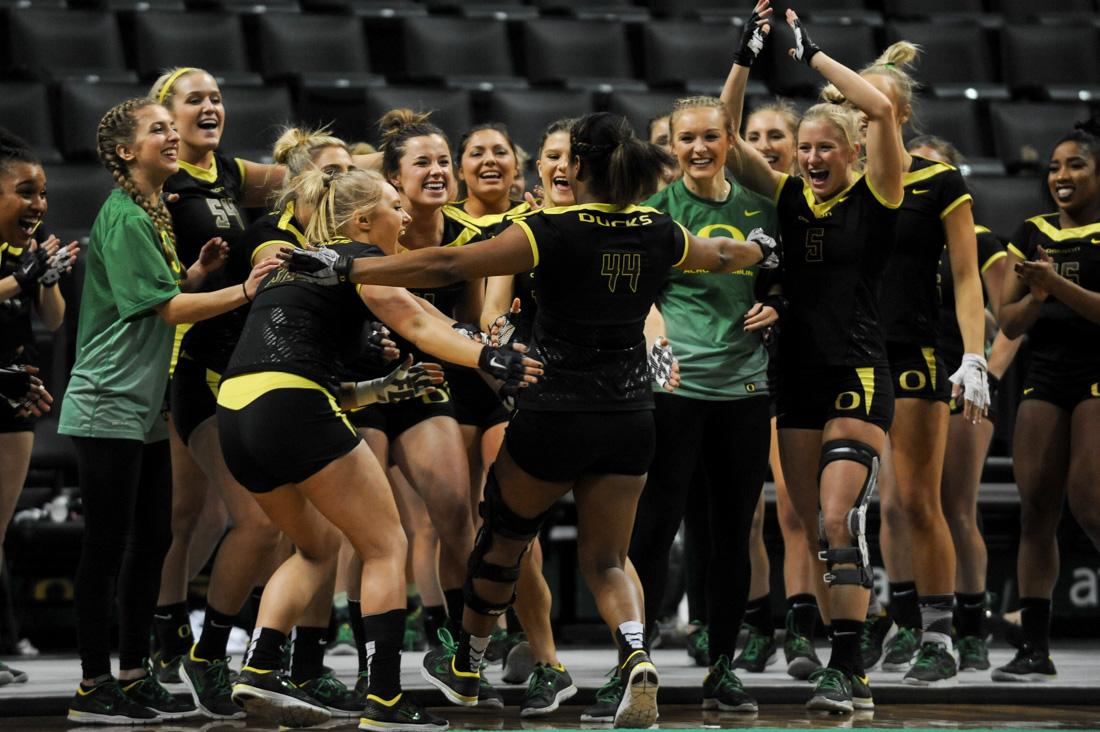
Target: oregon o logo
(1095,389)
(751,388)
(912,380)
(848,400)
(722,230)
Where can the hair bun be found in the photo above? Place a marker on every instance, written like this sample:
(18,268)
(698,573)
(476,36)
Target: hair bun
(1091,125)
(395,120)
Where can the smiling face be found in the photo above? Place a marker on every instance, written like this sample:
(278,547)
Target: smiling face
(552,164)
(22,202)
(152,156)
(824,157)
(196,103)
(768,133)
(1072,178)
(700,142)
(488,166)
(424,175)
(388,220)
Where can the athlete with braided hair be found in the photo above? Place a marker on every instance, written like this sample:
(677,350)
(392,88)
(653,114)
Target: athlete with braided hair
(135,292)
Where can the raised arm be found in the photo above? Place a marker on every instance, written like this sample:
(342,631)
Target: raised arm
(753,36)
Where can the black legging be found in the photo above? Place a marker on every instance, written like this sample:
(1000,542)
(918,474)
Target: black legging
(730,439)
(126,489)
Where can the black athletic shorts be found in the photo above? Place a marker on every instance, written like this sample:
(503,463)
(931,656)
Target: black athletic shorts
(474,400)
(277,428)
(193,396)
(393,419)
(918,373)
(991,416)
(10,424)
(1065,386)
(810,397)
(562,446)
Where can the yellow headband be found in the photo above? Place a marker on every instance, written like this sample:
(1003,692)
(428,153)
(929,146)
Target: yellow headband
(163,94)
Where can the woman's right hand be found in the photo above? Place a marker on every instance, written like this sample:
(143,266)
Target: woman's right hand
(804,48)
(256,276)
(508,364)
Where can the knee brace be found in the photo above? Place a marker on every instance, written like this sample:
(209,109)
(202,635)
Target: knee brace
(498,520)
(859,554)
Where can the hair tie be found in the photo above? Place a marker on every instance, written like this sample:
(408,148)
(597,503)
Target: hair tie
(587,148)
(164,90)
(888,65)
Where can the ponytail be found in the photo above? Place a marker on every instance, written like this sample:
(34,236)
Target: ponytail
(618,168)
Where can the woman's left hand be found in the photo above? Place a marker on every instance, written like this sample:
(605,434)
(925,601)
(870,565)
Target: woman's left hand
(212,257)
(1039,275)
(760,316)
(256,276)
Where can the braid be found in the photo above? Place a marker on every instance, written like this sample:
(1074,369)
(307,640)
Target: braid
(118,127)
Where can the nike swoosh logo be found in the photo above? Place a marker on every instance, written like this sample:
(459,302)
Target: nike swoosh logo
(751,213)
(495,363)
(162,617)
(920,191)
(216,624)
(1094,241)
(1029,390)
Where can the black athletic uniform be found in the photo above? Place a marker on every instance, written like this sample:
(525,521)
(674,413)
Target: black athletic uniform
(15,333)
(910,312)
(598,270)
(1065,347)
(277,411)
(832,356)
(206,208)
(949,346)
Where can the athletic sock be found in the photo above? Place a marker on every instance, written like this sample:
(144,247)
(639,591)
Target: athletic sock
(435,617)
(471,650)
(804,613)
(846,656)
(629,637)
(173,629)
(758,614)
(936,613)
(252,607)
(266,651)
(455,604)
(308,659)
(215,635)
(904,604)
(970,614)
(383,637)
(1035,619)
(355,615)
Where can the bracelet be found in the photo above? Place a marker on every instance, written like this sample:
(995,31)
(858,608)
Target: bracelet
(245,291)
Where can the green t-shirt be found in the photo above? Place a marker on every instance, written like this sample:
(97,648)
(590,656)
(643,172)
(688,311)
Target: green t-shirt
(704,311)
(122,346)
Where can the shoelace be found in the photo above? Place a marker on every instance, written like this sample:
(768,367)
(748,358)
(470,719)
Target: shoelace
(928,655)
(219,671)
(148,686)
(755,647)
(828,678)
(609,692)
(448,641)
(541,677)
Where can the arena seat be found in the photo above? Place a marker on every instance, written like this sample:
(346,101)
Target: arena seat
(367,8)
(1058,10)
(25,110)
(640,107)
(681,53)
(77,190)
(460,51)
(930,8)
(451,108)
(1003,203)
(81,104)
(853,46)
(576,52)
(594,9)
(55,43)
(288,50)
(254,117)
(213,41)
(1024,132)
(1053,61)
(951,54)
(955,120)
(528,112)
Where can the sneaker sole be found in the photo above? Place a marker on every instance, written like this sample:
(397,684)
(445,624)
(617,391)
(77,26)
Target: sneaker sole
(452,696)
(93,718)
(638,707)
(863,705)
(772,660)
(822,704)
(714,705)
(1032,678)
(494,704)
(372,724)
(895,666)
(937,683)
(280,708)
(802,667)
(339,713)
(342,649)
(519,664)
(974,669)
(202,710)
(606,718)
(562,696)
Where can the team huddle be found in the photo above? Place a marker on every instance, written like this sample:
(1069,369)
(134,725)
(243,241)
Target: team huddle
(384,382)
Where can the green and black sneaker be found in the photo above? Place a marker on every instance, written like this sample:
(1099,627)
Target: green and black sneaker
(210,686)
(798,650)
(698,645)
(148,692)
(167,668)
(832,692)
(759,652)
(861,692)
(548,688)
(269,694)
(105,703)
(973,654)
(495,650)
(638,707)
(333,695)
(901,650)
(722,690)
(460,687)
(519,659)
(608,697)
(1030,664)
(935,666)
(344,642)
(362,686)
(878,630)
(397,714)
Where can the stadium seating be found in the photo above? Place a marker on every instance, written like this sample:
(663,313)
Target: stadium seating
(952,54)
(1024,132)
(854,46)
(81,104)
(253,119)
(575,52)
(451,109)
(212,40)
(688,54)
(76,191)
(289,44)
(1002,203)
(53,43)
(25,110)
(528,112)
(641,107)
(1053,61)
(461,51)
(956,120)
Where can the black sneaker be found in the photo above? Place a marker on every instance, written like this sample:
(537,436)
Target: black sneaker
(333,695)
(877,631)
(148,692)
(861,693)
(935,666)
(106,704)
(1030,664)
(438,669)
(210,686)
(759,652)
(901,650)
(698,645)
(548,688)
(487,695)
(497,647)
(519,659)
(398,714)
(638,707)
(270,695)
(362,686)
(832,692)
(973,654)
(608,697)
(722,690)
(167,668)
(798,650)
(16,676)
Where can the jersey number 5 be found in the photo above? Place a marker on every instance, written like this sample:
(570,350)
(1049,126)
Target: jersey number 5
(622,264)
(815,244)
